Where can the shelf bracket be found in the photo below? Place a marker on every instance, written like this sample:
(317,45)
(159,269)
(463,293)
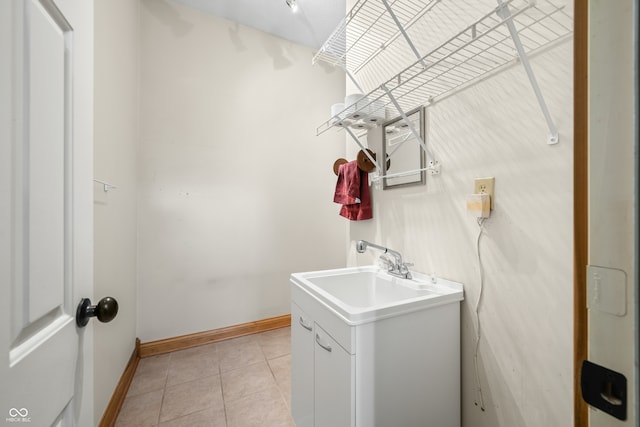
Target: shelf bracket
(353,79)
(364,149)
(404,33)
(413,130)
(504,13)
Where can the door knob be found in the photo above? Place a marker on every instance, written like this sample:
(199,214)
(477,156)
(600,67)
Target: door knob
(105,310)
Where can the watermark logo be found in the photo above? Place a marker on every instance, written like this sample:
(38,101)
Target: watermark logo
(18,416)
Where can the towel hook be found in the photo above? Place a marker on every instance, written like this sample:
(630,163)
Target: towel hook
(337,163)
(363,160)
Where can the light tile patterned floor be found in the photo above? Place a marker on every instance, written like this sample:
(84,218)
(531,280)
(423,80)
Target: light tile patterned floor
(242,382)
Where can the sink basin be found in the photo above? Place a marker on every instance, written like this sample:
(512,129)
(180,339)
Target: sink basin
(364,294)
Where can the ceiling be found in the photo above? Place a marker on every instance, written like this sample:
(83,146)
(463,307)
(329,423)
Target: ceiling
(310,25)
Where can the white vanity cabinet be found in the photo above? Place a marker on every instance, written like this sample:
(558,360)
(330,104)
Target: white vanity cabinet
(397,370)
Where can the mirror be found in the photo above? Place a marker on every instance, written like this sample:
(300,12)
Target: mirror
(405,157)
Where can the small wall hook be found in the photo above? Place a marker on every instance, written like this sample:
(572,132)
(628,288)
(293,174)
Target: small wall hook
(106,186)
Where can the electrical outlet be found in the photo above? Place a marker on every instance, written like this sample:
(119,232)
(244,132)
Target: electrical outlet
(485,185)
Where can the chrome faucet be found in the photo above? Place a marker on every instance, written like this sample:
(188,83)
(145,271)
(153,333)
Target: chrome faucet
(394,264)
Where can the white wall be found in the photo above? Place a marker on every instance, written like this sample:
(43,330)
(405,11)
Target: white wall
(495,128)
(115,152)
(235,188)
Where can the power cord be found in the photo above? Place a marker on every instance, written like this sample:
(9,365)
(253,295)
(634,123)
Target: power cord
(478,332)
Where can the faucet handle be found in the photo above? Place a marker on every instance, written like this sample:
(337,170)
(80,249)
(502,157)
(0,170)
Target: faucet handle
(404,269)
(386,261)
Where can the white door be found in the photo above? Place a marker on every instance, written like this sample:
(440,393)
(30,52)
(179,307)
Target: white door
(611,275)
(45,211)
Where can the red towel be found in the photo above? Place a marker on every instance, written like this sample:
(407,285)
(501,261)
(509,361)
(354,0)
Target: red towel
(352,192)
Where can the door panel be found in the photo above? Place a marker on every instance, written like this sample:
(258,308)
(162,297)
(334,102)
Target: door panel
(39,340)
(45,148)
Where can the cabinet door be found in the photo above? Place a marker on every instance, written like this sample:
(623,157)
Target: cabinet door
(302,346)
(334,383)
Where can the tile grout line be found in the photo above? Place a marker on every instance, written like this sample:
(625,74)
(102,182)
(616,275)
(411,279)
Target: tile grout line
(197,379)
(273,375)
(164,388)
(278,384)
(224,401)
(280,391)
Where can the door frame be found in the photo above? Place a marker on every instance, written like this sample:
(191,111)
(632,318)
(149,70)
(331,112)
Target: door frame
(580,202)
(581,211)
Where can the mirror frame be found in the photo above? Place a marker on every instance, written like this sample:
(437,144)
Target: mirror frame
(420,176)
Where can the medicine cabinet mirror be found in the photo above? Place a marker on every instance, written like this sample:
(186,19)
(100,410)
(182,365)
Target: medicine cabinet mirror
(405,157)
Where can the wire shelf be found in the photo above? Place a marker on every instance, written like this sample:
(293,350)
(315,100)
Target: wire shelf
(482,47)
(367,30)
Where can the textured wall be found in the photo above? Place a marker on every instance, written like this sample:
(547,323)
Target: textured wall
(496,128)
(236,189)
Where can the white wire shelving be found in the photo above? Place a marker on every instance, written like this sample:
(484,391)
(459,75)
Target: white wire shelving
(463,45)
(367,30)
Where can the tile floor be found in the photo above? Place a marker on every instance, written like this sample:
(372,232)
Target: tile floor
(242,382)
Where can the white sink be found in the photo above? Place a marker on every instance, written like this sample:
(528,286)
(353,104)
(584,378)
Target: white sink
(365,294)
